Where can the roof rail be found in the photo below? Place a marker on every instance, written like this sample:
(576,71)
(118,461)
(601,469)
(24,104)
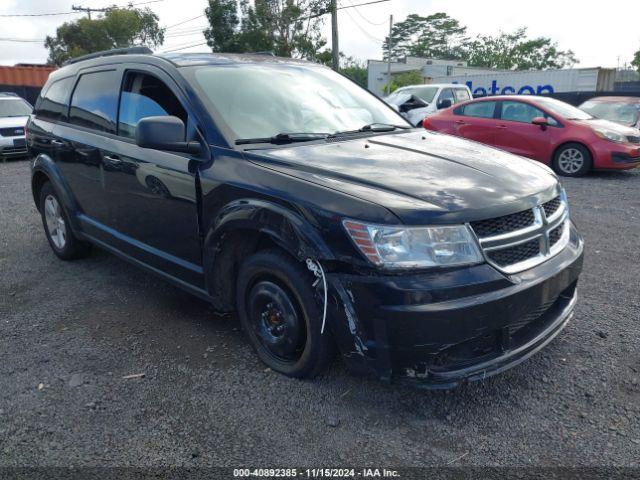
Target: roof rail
(108,53)
(8,94)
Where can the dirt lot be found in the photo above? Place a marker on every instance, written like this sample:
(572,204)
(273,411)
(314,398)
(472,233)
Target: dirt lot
(70,332)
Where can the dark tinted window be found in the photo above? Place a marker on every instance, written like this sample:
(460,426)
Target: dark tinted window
(520,112)
(447,94)
(94,101)
(145,96)
(480,109)
(53,105)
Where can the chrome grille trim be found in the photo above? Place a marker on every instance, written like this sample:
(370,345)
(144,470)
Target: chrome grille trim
(540,231)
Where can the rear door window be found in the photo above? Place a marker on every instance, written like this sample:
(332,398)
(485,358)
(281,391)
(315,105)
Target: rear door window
(143,95)
(95,100)
(52,105)
(480,109)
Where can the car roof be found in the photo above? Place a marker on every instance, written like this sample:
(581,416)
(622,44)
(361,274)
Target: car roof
(175,60)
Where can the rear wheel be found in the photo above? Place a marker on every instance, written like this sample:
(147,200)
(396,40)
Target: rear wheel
(279,313)
(572,160)
(56,226)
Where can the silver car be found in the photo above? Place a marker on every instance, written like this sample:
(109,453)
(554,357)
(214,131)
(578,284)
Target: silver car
(14,113)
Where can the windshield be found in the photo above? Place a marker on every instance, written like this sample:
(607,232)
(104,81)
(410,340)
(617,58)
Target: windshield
(263,100)
(425,94)
(14,108)
(620,112)
(563,109)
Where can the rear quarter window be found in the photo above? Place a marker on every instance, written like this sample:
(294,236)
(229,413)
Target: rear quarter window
(462,95)
(52,105)
(94,102)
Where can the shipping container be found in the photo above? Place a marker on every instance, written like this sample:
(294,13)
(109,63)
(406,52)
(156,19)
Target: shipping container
(25,76)
(534,82)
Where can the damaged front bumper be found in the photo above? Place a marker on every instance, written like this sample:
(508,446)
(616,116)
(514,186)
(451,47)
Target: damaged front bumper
(441,328)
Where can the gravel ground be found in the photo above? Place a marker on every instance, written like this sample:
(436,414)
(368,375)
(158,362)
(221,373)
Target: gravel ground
(71,331)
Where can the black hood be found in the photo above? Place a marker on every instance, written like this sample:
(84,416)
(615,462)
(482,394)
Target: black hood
(420,173)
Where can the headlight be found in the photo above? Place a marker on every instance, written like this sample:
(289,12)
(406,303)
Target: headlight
(610,135)
(414,247)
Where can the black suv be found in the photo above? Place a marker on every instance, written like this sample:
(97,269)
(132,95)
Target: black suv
(282,191)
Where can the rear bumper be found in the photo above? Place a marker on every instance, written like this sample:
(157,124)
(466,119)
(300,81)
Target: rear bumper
(438,330)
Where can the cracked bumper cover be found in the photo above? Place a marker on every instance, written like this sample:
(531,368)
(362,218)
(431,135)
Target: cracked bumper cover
(441,328)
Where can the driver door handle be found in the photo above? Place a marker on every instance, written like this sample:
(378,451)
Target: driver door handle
(112,159)
(57,143)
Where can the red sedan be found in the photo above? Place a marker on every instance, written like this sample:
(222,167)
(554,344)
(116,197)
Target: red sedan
(545,129)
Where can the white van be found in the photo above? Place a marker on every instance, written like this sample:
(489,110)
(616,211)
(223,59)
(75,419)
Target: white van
(415,102)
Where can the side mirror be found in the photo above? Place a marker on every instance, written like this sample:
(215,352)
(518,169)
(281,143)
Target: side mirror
(164,133)
(444,103)
(541,122)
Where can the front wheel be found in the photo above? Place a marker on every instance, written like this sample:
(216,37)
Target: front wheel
(280,315)
(572,160)
(56,226)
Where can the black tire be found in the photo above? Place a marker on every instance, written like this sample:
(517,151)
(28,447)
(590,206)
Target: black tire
(572,160)
(280,315)
(71,248)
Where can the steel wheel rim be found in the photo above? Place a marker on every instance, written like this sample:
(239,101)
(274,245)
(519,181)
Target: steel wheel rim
(571,160)
(55,222)
(276,322)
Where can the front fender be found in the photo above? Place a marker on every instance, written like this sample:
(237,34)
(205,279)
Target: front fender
(236,232)
(286,228)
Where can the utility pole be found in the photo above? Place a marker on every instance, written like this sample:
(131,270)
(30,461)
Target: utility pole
(335,48)
(389,55)
(88,10)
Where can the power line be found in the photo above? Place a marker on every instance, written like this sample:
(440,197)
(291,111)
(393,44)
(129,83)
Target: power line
(37,14)
(365,18)
(186,21)
(363,30)
(22,40)
(326,12)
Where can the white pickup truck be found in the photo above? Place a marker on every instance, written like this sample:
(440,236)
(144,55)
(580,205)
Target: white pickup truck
(416,102)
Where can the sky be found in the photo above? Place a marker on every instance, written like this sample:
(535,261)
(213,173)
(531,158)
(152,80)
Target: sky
(600,36)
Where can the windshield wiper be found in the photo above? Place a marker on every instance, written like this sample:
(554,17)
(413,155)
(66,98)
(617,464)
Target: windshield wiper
(373,127)
(284,138)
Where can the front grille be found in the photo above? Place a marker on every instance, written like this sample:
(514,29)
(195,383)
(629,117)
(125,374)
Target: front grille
(552,206)
(522,240)
(13,150)
(555,235)
(12,132)
(505,224)
(633,139)
(519,253)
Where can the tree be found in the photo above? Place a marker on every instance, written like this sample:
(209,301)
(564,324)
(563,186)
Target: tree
(513,51)
(289,28)
(404,79)
(350,67)
(118,28)
(636,61)
(435,36)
